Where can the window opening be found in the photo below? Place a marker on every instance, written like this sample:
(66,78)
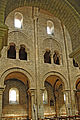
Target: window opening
(56,58)
(47,57)
(50,27)
(22,54)
(11,53)
(75,63)
(45,97)
(13,96)
(18,20)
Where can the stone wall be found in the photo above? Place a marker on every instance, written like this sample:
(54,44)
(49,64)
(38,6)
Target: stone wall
(21,107)
(33,35)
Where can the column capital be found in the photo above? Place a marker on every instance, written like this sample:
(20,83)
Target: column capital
(74,90)
(2,89)
(35,12)
(32,91)
(66,90)
(42,89)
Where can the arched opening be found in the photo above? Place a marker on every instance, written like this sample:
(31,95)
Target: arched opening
(45,97)
(55,105)
(47,57)
(18,20)
(75,63)
(50,27)
(77,95)
(56,58)
(22,53)
(15,95)
(11,53)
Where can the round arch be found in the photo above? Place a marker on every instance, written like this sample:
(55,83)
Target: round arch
(64,80)
(60,8)
(12,70)
(74,83)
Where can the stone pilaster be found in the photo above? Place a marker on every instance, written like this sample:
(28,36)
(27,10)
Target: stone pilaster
(3,36)
(1,93)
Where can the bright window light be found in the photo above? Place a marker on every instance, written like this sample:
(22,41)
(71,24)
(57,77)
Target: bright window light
(17,23)
(64,97)
(43,96)
(48,30)
(50,27)
(12,95)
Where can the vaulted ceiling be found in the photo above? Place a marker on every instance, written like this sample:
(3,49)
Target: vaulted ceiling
(68,11)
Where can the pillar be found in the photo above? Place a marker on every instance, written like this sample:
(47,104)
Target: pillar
(1,93)
(17,53)
(52,61)
(41,106)
(74,109)
(68,103)
(35,14)
(33,105)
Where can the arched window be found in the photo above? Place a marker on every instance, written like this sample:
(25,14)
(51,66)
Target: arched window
(11,53)
(50,27)
(18,20)
(13,96)
(22,53)
(75,63)
(47,57)
(45,97)
(56,58)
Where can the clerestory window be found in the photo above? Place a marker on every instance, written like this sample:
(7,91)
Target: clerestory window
(50,27)
(18,20)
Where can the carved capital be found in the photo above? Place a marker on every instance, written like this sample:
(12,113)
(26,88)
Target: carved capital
(2,89)
(31,91)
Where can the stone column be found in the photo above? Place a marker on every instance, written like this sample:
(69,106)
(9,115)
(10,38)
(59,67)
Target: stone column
(41,106)
(73,92)
(1,93)
(67,102)
(35,14)
(52,61)
(17,53)
(33,105)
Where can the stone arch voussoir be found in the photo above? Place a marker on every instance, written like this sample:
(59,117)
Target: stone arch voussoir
(8,71)
(64,80)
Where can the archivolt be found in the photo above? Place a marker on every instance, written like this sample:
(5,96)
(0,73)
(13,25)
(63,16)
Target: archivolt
(53,73)
(11,70)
